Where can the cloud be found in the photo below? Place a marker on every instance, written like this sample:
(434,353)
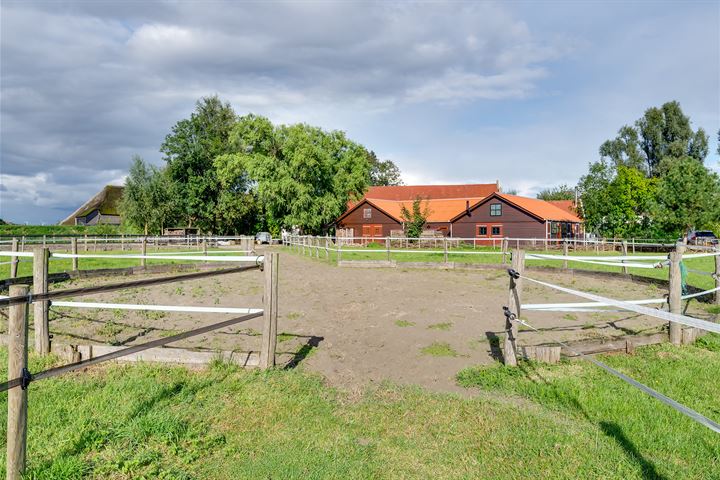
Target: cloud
(492,89)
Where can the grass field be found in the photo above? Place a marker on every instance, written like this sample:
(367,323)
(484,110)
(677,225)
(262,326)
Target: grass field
(65,264)
(377,252)
(567,421)
(29,230)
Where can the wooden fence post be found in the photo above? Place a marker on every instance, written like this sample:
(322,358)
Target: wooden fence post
(515,292)
(73,250)
(675,294)
(22,244)
(445,249)
(317,247)
(85,242)
(14,260)
(624,247)
(143,251)
(40,309)
(327,249)
(270,311)
(17,397)
(44,241)
(204,247)
(504,249)
(717,276)
(339,252)
(565,254)
(122,242)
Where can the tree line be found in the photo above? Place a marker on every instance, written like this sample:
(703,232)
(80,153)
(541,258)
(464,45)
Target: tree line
(230,174)
(650,180)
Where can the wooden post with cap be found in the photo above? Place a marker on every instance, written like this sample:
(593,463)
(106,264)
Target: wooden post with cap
(17,397)
(675,294)
(270,311)
(514,293)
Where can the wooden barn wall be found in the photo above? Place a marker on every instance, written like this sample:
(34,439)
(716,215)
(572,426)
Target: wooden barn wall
(515,222)
(355,221)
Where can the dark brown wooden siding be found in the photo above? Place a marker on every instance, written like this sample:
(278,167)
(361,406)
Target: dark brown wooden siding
(355,220)
(514,221)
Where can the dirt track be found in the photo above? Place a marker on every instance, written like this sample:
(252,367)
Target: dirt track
(369,325)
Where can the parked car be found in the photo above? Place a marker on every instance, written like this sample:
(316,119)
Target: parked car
(263,237)
(702,237)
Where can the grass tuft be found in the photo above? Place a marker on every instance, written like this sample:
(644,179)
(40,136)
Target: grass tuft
(439,349)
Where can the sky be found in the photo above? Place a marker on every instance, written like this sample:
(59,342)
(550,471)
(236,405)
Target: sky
(452,92)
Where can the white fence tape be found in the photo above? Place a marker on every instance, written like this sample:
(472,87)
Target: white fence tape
(16,254)
(227,258)
(670,317)
(161,308)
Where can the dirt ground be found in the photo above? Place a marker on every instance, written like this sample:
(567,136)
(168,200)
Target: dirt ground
(368,325)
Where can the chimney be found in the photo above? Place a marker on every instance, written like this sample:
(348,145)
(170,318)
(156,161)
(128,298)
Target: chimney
(467,207)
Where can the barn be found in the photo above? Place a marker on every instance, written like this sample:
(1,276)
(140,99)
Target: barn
(378,213)
(102,208)
(501,215)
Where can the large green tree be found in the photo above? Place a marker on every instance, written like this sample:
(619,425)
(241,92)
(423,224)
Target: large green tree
(688,196)
(663,132)
(303,176)
(190,151)
(616,201)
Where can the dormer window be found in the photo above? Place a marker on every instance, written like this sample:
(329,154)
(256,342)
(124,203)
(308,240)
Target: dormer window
(496,209)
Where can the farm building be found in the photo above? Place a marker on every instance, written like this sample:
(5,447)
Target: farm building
(460,211)
(502,215)
(378,213)
(102,208)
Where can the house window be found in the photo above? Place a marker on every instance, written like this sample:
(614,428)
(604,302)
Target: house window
(496,209)
(367,212)
(496,230)
(482,231)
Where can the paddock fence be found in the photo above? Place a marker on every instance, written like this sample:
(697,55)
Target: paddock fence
(82,356)
(681,328)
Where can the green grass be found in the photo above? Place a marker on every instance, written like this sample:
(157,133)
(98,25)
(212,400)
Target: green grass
(30,230)
(564,422)
(439,349)
(657,441)
(65,264)
(445,326)
(404,323)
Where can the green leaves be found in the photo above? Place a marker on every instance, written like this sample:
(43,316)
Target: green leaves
(415,221)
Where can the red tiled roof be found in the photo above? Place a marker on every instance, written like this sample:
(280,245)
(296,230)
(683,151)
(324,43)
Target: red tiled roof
(541,208)
(568,205)
(434,192)
(441,210)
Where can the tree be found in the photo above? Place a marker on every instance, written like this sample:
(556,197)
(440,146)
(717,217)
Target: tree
(660,133)
(617,201)
(688,196)
(383,173)
(303,176)
(149,199)
(561,192)
(136,205)
(190,151)
(416,219)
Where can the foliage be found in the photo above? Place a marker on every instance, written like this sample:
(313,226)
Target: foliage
(303,176)
(31,230)
(688,196)
(416,219)
(149,202)
(383,172)
(661,132)
(561,192)
(190,151)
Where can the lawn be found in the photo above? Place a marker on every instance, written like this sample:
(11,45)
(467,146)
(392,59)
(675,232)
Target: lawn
(568,421)
(30,230)
(65,264)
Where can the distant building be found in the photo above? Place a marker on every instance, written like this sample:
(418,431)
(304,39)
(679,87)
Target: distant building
(101,209)
(478,212)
